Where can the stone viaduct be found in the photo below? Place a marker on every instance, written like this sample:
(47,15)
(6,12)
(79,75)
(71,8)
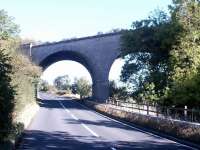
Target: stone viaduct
(96,53)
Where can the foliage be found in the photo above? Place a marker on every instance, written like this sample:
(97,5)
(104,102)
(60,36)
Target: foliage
(185,57)
(7,93)
(18,76)
(43,86)
(8,28)
(164,55)
(82,87)
(135,69)
(148,51)
(117,93)
(148,94)
(62,83)
(25,78)
(74,88)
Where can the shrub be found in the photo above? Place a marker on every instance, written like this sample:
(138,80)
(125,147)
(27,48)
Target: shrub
(117,93)
(7,94)
(82,87)
(43,86)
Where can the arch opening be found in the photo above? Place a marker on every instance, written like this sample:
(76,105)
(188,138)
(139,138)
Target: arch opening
(65,67)
(66,55)
(115,71)
(70,64)
(117,89)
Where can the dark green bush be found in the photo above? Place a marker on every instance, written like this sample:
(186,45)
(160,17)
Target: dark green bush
(7,94)
(117,93)
(18,77)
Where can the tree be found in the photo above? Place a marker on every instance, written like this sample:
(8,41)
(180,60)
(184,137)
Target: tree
(167,49)
(82,87)
(8,29)
(7,93)
(17,74)
(185,56)
(117,93)
(74,88)
(112,88)
(43,86)
(62,83)
(145,49)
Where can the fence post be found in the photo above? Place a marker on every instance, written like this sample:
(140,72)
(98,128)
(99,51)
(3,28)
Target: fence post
(132,107)
(167,112)
(156,110)
(192,115)
(185,112)
(147,108)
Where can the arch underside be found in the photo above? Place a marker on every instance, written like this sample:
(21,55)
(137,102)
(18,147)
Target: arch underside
(95,53)
(63,55)
(99,87)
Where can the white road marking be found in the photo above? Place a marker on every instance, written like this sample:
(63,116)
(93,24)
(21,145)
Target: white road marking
(92,132)
(74,117)
(134,127)
(113,148)
(64,107)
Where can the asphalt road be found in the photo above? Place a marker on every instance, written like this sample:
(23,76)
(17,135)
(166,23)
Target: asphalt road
(65,124)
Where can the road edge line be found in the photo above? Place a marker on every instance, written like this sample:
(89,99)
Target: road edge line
(152,133)
(74,117)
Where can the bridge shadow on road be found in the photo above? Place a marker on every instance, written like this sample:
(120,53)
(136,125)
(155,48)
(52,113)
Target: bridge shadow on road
(54,103)
(40,140)
(58,140)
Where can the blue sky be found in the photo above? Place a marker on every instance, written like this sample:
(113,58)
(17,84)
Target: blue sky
(54,20)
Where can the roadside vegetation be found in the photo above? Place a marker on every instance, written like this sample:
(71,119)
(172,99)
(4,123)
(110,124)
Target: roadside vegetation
(162,66)
(79,88)
(118,92)
(18,79)
(162,57)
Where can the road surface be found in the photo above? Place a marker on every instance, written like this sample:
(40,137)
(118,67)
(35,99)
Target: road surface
(65,124)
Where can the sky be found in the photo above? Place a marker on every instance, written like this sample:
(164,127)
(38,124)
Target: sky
(65,68)
(55,20)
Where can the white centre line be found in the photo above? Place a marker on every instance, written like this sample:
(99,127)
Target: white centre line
(134,127)
(113,148)
(74,117)
(92,132)
(64,107)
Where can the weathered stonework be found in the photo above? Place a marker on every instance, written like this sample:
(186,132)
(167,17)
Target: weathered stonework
(96,53)
(180,129)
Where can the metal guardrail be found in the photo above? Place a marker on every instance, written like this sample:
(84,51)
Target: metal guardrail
(183,114)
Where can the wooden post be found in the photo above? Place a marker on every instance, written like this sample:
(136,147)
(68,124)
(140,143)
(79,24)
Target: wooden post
(147,108)
(185,112)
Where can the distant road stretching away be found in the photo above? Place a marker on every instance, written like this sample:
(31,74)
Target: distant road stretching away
(65,124)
